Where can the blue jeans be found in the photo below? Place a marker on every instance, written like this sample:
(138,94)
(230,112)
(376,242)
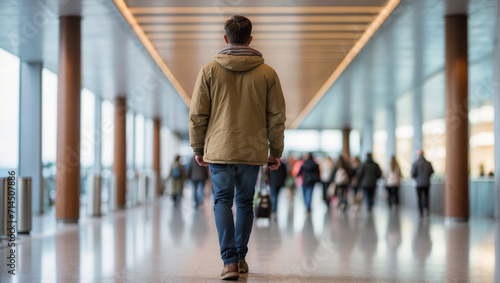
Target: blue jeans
(233,238)
(198,192)
(308,191)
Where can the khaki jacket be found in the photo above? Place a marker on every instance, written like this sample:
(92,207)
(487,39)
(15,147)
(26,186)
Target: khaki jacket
(237,111)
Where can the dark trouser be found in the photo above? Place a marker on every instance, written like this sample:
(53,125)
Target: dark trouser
(325,192)
(177,199)
(274,197)
(198,192)
(423,199)
(392,196)
(369,197)
(343,195)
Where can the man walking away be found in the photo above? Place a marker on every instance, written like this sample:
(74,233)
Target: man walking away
(310,169)
(198,175)
(369,173)
(421,171)
(236,124)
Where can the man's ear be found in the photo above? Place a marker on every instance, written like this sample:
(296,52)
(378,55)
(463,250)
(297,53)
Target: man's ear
(225,38)
(250,40)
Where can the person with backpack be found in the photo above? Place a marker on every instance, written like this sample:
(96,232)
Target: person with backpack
(421,171)
(392,183)
(340,177)
(369,173)
(310,169)
(177,176)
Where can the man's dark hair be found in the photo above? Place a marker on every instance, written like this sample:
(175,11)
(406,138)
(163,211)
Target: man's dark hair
(238,29)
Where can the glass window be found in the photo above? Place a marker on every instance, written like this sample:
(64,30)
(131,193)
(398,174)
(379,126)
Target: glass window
(9,112)
(130,141)
(380,148)
(434,144)
(331,142)
(148,143)
(108,126)
(87,130)
(482,141)
(354,143)
(139,138)
(49,118)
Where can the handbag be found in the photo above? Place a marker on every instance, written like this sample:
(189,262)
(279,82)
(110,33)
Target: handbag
(331,192)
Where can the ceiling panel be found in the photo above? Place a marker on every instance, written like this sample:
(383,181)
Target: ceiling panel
(114,61)
(407,55)
(305,41)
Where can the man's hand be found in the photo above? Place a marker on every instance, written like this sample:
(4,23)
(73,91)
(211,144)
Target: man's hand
(276,162)
(199,159)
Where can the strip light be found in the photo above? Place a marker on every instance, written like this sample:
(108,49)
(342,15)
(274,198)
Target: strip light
(151,49)
(369,32)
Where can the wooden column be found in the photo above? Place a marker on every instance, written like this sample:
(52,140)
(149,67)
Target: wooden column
(156,155)
(346,151)
(68,121)
(120,158)
(457,122)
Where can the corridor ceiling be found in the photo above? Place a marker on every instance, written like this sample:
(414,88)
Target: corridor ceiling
(151,51)
(305,41)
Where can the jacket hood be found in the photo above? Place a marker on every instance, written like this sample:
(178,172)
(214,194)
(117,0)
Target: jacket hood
(238,63)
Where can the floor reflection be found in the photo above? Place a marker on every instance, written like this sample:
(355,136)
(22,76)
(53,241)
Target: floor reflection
(457,251)
(199,228)
(156,242)
(422,243)
(176,225)
(368,240)
(68,256)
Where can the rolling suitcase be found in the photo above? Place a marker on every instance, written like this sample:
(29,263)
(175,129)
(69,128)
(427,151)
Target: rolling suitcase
(263,206)
(263,199)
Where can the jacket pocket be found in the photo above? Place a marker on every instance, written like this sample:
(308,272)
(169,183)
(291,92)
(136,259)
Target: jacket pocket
(207,144)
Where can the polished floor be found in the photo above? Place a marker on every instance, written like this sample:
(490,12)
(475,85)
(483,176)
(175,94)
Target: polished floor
(156,242)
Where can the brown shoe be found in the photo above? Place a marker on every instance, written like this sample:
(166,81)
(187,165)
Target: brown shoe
(230,272)
(243,266)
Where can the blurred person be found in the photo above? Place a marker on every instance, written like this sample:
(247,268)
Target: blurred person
(295,172)
(177,176)
(290,180)
(481,170)
(354,184)
(392,183)
(369,173)
(421,171)
(237,122)
(326,168)
(310,171)
(277,180)
(340,177)
(198,176)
